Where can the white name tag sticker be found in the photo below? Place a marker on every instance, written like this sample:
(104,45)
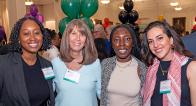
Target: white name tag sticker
(72,76)
(48,73)
(165,87)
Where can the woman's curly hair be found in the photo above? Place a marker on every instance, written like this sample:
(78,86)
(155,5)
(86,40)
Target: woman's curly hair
(14,37)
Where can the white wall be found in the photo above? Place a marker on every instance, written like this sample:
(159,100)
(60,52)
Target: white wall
(52,14)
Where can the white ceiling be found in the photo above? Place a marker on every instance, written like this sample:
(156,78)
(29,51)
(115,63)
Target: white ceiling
(140,4)
(156,4)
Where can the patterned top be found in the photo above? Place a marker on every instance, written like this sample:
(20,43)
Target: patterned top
(108,66)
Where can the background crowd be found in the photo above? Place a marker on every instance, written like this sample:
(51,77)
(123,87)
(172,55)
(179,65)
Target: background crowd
(105,66)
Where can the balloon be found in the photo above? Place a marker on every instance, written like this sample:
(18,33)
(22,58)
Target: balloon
(133,16)
(106,22)
(71,8)
(128,5)
(2,33)
(89,22)
(194,28)
(123,16)
(40,17)
(33,10)
(89,7)
(63,23)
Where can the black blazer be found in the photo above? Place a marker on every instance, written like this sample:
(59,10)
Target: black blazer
(13,91)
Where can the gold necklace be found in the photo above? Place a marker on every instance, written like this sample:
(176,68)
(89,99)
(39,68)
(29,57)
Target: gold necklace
(163,71)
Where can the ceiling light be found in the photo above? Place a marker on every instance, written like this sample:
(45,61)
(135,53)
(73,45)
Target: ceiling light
(121,7)
(28,2)
(105,1)
(178,8)
(137,0)
(174,4)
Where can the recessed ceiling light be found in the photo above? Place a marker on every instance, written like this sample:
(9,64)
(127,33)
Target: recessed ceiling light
(105,1)
(28,3)
(174,4)
(178,8)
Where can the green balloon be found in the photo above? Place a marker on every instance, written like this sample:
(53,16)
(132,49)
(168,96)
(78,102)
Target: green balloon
(63,23)
(89,22)
(89,7)
(71,8)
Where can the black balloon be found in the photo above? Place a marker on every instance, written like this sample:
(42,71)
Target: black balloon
(128,5)
(133,16)
(123,16)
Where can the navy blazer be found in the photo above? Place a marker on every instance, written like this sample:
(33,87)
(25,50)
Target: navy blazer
(190,42)
(13,91)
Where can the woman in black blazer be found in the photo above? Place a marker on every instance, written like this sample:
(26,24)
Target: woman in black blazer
(25,77)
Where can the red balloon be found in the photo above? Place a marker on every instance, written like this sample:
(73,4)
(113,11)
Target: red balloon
(194,28)
(106,20)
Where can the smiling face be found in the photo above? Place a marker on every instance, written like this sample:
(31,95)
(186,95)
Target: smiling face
(77,40)
(30,37)
(160,44)
(122,44)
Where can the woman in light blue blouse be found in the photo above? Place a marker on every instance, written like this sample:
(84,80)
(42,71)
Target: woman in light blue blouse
(77,69)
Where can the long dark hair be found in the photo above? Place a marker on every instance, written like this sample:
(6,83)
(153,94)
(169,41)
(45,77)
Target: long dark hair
(178,45)
(14,37)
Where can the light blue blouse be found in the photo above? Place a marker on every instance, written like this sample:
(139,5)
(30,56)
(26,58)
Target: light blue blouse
(83,93)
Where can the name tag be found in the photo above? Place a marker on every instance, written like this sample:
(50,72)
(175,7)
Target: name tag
(72,76)
(165,87)
(48,73)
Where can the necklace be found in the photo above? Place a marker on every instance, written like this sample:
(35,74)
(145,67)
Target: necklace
(164,72)
(123,65)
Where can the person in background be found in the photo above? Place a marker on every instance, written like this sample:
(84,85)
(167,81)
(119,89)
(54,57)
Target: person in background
(25,77)
(189,42)
(100,41)
(187,33)
(55,38)
(60,35)
(193,29)
(122,75)
(170,79)
(109,50)
(55,41)
(3,38)
(77,69)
